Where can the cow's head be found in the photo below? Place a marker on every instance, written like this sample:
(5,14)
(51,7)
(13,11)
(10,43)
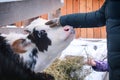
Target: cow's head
(49,41)
(45,37)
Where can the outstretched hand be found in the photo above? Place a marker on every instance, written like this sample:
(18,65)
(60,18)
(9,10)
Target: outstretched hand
(91,62)
(53,23)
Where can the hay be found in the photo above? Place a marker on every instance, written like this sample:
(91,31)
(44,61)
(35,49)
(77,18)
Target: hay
(67,69)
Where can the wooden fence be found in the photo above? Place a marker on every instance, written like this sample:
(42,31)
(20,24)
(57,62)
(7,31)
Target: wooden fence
(75,6)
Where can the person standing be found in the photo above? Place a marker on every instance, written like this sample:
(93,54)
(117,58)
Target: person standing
(109,15)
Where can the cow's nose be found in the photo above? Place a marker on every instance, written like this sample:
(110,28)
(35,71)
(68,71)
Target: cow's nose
(67,28)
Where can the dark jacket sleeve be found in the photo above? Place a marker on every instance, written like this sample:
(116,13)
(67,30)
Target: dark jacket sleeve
(101,66)
(85,20)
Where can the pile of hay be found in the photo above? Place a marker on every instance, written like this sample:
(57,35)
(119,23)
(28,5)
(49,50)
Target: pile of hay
(67,69)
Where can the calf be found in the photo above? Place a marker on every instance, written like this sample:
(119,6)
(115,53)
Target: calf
(39,48)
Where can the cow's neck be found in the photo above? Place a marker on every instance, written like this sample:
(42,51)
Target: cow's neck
(32,59)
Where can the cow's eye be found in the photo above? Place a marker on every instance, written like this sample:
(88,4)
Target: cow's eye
(42,32)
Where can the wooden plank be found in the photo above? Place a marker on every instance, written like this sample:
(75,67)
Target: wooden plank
(18,24)
(89,9)
(89,5)
(76,9)
(103,32)
(82,10)
(78,29)
(97,31)
(101,2)
(76,6)
(69,6)
(103,29)
(44,16)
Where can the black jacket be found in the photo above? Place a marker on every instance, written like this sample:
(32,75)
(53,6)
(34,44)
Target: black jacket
(109,15)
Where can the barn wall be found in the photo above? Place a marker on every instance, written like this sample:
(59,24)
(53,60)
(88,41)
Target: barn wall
(75,6)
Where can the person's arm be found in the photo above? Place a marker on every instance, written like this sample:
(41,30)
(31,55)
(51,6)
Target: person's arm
(85,20)
(98,65)
(101,66)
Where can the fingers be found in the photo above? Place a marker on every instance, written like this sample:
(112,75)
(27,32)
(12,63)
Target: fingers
(90,62)
(53,25)
(49,22)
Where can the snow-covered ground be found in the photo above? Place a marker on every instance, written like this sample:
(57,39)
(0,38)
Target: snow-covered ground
(95,48)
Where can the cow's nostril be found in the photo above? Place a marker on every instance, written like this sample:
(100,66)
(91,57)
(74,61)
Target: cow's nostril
(66,29)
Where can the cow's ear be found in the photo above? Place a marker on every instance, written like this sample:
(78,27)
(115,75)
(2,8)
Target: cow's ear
(18,46)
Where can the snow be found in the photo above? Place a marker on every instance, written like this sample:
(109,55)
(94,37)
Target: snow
(11,26)
(95,48)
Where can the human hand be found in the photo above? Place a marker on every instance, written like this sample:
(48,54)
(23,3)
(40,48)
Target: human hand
(91,62)
(53,23)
